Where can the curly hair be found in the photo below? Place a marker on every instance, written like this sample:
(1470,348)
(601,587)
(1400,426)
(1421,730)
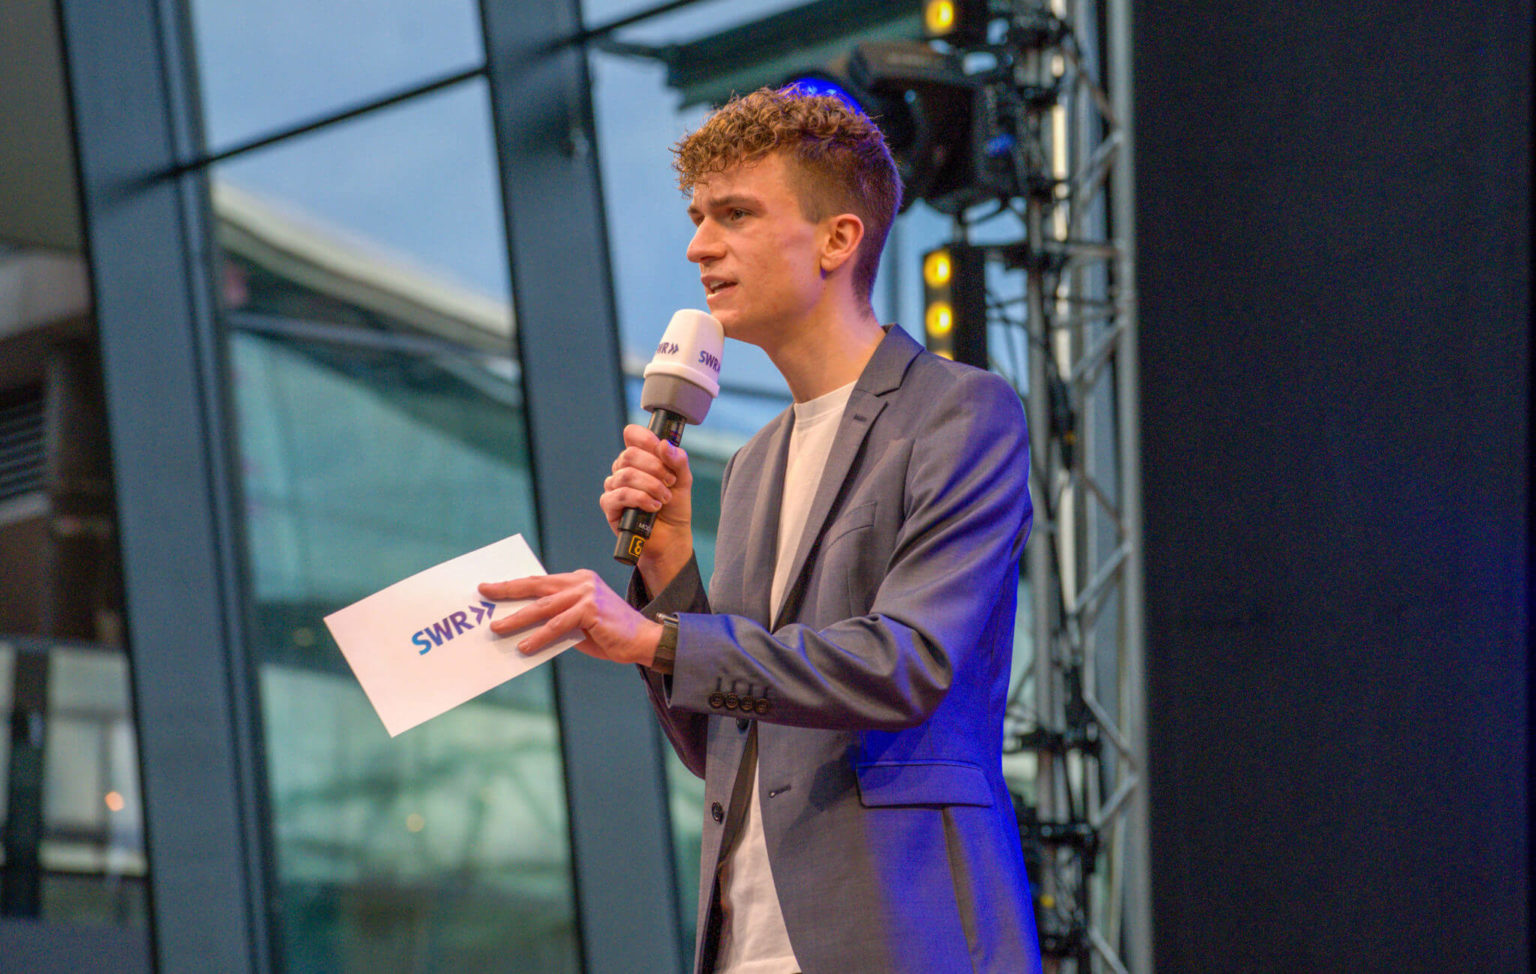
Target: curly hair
(840,160)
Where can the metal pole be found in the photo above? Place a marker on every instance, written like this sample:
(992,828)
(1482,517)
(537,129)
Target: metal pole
(1137,880)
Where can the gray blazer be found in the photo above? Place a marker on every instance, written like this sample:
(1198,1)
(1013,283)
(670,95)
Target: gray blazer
(877,693)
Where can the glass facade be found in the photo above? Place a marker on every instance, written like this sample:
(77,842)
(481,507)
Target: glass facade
(72,849)
(361,273)
(73,814)
(264,67)
(367,417)
(413,462)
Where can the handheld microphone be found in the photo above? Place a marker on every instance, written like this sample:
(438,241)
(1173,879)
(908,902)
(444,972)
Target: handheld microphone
(680,383)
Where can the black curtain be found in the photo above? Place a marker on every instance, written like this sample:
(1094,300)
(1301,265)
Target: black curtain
(1334,242)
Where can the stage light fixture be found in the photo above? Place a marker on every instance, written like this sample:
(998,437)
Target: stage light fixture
(937,269)
(940,321)
(938,17)
(953,128)
(962,22)
(922,101)
(955,303)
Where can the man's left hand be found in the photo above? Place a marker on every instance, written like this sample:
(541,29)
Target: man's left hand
(578,600)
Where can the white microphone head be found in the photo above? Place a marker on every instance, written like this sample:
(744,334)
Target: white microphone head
(684,375)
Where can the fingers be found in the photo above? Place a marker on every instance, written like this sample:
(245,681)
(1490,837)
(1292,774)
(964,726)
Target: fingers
(563,623)
(550,595)
(639,436)
(634,461)
(631,481)
(521,588)
(657,457)
(577,604)
(533,613)
(639,480)
(647,475)
(615,500)
(676,460)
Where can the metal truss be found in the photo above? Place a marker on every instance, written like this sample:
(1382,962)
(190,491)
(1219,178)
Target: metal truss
(1075,735)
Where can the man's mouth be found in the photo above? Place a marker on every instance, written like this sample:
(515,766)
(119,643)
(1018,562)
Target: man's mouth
(714,287)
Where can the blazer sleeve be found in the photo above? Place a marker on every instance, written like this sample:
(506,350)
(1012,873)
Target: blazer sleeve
(688,731)
(953,554)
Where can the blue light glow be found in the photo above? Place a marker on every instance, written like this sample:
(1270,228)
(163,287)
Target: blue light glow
(813,85)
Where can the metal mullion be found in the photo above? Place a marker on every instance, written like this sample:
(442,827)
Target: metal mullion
(167,420)
(205,160)
(226,493)
(621,839)
(597,33)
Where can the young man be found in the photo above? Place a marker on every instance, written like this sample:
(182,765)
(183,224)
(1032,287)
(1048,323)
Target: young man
(840,687)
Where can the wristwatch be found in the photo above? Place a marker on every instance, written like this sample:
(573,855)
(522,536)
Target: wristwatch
(666,649)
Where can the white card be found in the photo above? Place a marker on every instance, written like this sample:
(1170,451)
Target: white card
(424,645)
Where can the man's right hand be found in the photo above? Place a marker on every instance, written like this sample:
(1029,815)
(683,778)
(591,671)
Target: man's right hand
(653,475)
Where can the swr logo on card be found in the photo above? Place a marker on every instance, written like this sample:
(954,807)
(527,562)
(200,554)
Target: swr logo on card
(450,626)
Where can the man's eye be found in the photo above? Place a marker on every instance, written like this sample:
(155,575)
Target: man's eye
(738,214)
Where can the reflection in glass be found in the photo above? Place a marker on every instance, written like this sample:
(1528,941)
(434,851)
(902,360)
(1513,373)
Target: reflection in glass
(71,818)
(363,465)
(393,214)
(264,67)
(90,850)
(379,412)
(648,229)
(685,23)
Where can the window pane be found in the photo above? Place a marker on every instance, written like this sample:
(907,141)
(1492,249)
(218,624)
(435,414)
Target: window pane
(83,782)
(391,217)
(649,229)
(265,66)
(379,409)
(648,232)
(71,819)
(685,23)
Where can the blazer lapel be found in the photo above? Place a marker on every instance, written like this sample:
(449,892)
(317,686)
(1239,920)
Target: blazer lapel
(881,376)
(763,540)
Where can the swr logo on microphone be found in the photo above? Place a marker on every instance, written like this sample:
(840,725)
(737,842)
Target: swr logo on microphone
(451,625)
(707,359)
(668,348)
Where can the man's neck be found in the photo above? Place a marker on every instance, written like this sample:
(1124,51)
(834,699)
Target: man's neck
(827,355)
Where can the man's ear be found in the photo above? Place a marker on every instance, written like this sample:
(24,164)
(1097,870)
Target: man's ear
(842,235)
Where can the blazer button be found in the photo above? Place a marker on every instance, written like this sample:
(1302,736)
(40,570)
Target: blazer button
(731,701)
(742,723)
(716,812)
(717,700)
(762,705)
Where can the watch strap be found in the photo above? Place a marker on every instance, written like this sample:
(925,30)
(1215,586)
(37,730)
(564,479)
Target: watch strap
(666,649)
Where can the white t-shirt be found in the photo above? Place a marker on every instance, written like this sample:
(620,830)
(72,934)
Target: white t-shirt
(752,937)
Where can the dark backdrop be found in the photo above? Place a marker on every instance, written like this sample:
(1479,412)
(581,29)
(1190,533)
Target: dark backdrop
(1333,244)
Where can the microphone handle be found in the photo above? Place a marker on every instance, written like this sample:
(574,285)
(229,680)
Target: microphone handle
(635,525)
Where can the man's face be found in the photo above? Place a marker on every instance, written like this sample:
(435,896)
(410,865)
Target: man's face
(758,256)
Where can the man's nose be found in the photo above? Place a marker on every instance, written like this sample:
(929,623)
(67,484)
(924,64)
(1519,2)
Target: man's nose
(705,244)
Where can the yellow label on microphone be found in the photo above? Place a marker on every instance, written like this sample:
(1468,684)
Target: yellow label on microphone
(636,545)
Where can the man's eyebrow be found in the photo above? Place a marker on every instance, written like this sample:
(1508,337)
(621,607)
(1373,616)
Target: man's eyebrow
(726,202)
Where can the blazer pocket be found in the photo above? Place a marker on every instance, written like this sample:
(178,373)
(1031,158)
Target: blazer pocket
(856,519)
(922,783)
(849,564)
